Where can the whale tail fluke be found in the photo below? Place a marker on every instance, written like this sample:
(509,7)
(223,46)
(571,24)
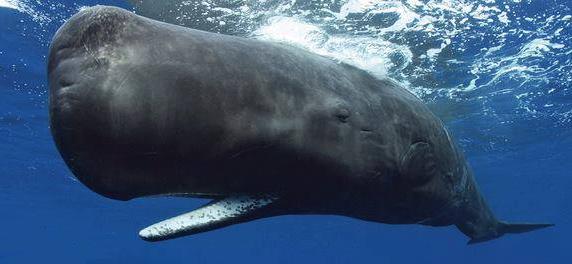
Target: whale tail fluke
(509,228)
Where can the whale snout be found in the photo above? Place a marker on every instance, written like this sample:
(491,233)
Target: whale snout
(88,30)
(78,67)
(80,52)
(75,66)
(80,56)
(116,113)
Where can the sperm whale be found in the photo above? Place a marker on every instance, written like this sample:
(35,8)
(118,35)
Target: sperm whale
(143,108)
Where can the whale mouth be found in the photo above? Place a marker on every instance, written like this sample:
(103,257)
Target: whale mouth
(216,214)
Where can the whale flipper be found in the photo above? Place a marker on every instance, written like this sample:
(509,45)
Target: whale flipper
(216,214)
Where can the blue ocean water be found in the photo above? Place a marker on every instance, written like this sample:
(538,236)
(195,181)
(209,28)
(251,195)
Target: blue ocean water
(498,72)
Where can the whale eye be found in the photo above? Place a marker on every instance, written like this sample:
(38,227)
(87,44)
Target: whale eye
(342,114)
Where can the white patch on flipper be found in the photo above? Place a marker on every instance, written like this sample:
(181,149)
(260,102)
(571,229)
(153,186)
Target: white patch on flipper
(219,212)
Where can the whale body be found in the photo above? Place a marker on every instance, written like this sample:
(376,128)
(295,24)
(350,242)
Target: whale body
(143,108)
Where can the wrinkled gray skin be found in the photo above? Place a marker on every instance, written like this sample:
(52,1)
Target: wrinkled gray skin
(141,108)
